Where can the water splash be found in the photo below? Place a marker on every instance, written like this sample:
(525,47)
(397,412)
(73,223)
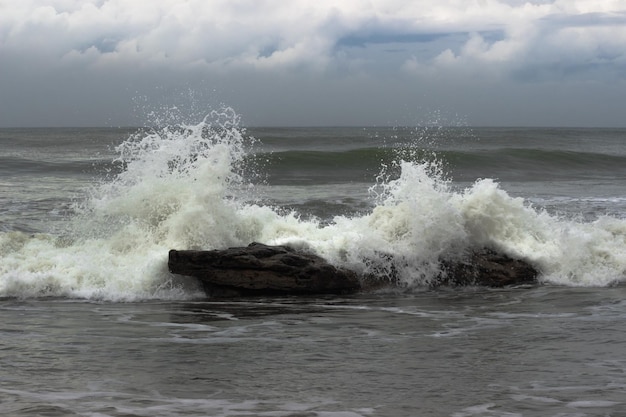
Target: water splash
(171,175)
(177,188)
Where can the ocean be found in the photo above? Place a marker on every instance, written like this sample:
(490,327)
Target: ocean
(93,324)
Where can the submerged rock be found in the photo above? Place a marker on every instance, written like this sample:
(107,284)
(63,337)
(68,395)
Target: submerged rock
(259,269)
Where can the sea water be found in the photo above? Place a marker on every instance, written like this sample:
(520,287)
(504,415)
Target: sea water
(94,324)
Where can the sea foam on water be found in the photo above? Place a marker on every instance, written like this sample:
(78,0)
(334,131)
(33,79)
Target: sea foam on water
(186,187)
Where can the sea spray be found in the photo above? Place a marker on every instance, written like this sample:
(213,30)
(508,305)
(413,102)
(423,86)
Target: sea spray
(179,185)
(419,219)
(415,220)
(177,188)
(566,251)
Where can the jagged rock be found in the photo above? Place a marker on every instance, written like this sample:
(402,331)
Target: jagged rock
(261,269)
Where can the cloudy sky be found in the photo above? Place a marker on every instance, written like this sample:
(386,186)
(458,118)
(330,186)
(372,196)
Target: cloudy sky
(322,62)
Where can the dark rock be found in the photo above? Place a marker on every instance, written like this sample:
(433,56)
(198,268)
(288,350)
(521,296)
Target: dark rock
(260,270)
(488,268)
(483,267)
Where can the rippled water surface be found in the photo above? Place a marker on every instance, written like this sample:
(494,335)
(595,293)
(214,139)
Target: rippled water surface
(528,351)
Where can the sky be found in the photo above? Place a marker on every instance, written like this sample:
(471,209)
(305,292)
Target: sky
(315,63)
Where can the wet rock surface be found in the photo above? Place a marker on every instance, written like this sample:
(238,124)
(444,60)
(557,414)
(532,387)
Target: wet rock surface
(262,269)
(488,268)
(259,269)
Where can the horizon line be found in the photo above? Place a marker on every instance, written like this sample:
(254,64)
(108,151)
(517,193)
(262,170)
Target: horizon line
(243,126)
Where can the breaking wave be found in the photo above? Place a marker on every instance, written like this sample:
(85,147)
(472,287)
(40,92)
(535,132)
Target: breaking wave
(189,186)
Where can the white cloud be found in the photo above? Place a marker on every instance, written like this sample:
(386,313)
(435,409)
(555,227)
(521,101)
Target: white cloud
(275,34)
(324,40)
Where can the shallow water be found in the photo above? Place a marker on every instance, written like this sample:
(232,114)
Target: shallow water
(544,351)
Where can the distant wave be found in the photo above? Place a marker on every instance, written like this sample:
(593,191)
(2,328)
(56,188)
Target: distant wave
(20,165)
(364,164)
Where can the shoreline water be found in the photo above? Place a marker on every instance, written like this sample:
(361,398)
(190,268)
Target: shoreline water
(532,352)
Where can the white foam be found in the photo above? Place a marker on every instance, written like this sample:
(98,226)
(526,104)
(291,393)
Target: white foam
(83,402)
(567,252)
(484,410)
(592,404)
